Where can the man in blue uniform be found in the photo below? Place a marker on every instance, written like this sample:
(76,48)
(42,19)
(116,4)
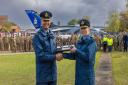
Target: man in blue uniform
(45,50)
(84,53)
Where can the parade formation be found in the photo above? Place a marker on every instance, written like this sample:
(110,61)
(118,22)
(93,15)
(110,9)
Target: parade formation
(23,42)
(15,43)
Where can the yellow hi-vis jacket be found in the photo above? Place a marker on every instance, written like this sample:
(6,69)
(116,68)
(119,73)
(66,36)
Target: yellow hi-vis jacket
(105,39)
(110,41)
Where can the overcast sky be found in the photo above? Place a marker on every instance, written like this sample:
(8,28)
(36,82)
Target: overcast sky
(63,10)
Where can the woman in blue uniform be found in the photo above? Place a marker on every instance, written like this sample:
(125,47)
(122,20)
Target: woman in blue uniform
(84,53)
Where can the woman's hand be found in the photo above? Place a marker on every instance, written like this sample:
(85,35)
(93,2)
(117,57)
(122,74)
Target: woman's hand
(73,50)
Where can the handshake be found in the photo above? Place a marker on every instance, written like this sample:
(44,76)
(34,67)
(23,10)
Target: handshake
(59,56)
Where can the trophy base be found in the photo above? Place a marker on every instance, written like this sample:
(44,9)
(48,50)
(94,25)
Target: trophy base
(64,49)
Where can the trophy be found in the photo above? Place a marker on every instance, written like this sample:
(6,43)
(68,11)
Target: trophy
(64,49)
(63,44)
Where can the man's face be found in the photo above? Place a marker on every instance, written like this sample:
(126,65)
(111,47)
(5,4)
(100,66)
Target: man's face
(85,30)
(46,24)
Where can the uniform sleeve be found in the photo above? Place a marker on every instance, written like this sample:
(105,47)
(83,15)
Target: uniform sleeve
(42,56)
(70,56)
(88,56)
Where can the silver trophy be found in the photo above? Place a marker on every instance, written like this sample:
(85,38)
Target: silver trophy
(64,44)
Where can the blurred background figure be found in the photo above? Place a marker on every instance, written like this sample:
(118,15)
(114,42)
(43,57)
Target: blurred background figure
(125,41)
(109,43)
(104,43)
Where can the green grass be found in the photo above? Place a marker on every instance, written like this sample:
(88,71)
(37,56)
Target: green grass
(98,55)
(120,68)
(19,69)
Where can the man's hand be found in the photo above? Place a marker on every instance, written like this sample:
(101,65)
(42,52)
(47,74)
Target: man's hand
(59,56)
(73,49)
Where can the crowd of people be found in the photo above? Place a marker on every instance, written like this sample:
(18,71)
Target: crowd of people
(15,43)
(109,42)
(23,42)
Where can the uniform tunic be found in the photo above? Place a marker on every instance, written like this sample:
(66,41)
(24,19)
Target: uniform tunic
(45,47)
(85,60)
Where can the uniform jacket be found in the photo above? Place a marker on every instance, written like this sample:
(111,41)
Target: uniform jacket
(85,60)
(45,47)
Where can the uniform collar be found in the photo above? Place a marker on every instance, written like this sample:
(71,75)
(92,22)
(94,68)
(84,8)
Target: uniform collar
(86,39)
(47,33)
(43,31)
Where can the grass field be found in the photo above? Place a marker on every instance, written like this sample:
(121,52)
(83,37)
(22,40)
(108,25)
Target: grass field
(19,69)
(120,68)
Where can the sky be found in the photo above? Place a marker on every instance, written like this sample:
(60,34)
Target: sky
(62,10)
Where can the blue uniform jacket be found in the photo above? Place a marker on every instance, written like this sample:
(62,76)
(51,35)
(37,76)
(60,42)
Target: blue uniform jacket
(85,60)
(45,47)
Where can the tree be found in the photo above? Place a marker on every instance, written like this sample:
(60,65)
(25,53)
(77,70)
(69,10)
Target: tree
(114,24)
(124,20)
(73,22)
(6,27)
(118,21)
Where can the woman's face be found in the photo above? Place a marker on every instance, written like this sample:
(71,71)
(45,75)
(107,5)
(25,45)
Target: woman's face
(85,30)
